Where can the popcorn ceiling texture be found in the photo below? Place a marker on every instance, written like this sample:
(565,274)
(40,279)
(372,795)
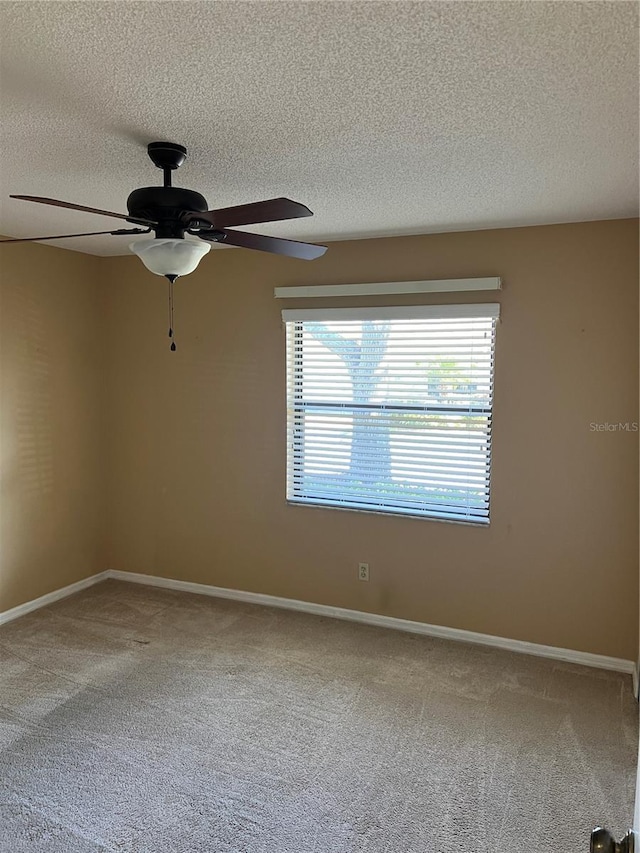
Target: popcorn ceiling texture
(151,721)
(385,118)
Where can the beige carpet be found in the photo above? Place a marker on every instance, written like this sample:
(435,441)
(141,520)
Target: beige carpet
(137,719)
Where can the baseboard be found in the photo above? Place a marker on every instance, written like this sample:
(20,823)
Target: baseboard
(636,680)
(50,597)
(458,634)
(375,619)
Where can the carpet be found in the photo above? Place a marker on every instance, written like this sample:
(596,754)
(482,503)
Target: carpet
(151,721)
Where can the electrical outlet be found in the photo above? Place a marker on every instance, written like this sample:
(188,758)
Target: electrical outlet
(363,571)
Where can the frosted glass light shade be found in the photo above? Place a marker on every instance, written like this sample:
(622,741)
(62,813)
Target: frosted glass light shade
(168,256)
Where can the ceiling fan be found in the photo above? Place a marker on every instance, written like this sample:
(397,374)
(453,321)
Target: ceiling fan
(172,212)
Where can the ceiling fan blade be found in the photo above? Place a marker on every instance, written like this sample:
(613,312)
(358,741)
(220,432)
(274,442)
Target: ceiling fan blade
(85,234)
(276,245)
(71,206)
(271,210)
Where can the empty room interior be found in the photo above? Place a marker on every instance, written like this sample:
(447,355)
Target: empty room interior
(319,518)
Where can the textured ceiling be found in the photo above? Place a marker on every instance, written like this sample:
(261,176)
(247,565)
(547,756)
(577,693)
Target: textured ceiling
(384,118)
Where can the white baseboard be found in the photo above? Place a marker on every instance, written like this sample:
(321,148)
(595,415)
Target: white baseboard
(636,682)
(50,597)
(520,646)
(458,634)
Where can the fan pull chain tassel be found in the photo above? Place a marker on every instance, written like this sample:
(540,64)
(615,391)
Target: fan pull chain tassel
(171,279)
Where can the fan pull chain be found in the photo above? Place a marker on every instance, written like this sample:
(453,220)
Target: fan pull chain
(171,279)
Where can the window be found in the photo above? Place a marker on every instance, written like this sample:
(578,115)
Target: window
(389,409)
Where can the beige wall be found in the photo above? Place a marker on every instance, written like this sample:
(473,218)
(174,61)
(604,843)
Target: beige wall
(197,449)
(51,421)
(116,452)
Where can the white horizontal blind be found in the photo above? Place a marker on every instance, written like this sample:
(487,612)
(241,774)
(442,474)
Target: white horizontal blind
(391,414)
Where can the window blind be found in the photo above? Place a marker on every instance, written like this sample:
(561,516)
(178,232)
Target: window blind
(389,409)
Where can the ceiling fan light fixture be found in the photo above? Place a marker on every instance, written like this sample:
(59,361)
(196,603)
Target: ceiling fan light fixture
(170,256)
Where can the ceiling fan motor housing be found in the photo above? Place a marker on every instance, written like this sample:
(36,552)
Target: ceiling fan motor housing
(166,206)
